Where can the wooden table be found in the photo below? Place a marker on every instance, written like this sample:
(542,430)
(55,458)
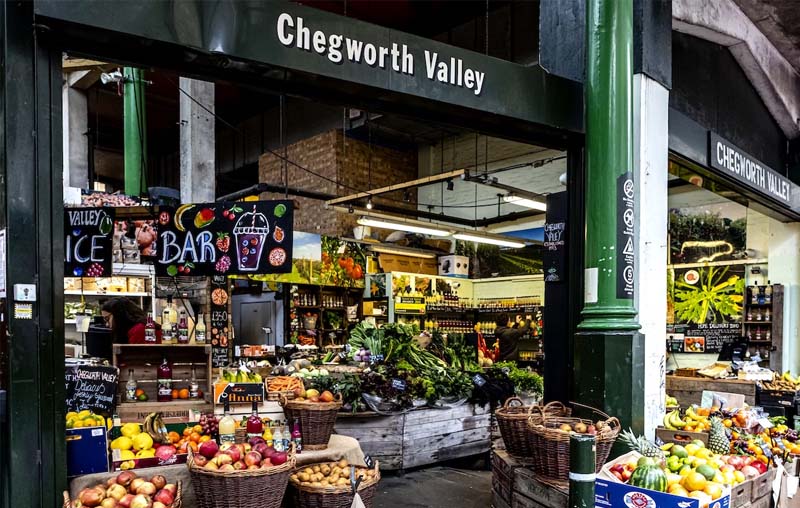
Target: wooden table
(689,390)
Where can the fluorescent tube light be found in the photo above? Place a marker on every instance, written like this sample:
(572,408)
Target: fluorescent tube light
(527,203)
(416,227)
(400,251)
(492,240)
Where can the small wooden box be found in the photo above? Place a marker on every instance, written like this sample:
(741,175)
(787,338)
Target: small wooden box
(680,437)
(741,494)
(686,372)
(762,486)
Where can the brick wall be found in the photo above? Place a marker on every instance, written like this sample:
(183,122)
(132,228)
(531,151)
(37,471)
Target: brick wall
(346,161)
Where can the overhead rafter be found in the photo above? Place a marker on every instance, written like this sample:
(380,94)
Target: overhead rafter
(419,182)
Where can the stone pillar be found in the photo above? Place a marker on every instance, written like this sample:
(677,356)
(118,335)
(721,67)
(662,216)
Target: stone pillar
(650,163)
(197,141)
(75,132)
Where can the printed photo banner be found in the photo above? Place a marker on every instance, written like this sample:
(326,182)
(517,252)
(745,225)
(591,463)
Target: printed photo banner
(88,234)
(242,238)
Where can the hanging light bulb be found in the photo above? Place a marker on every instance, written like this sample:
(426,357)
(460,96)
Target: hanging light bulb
(369,204)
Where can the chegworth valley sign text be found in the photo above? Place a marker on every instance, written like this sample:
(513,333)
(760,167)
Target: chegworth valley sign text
(293,32)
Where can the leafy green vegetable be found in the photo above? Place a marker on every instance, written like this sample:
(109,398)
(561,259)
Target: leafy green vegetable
(714,299)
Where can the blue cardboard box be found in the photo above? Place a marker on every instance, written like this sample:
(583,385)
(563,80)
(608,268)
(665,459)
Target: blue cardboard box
(608,494)
(87,451)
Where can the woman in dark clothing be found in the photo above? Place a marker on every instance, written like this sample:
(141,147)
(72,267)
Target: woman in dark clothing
(509,337)
(126,321)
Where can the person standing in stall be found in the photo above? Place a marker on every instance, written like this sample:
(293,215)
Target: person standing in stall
(127,321)
(509,336)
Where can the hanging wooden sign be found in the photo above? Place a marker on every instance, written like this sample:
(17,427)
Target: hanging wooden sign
(88,234)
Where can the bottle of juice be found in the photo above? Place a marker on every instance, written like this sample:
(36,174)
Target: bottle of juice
(164,377)
(227,426)
(130,388)
(200,330)
(150,329)
(255,427)
(267,435)
(287,438)
(183,329)
(277,440)
(194,387)
(297,437)
(167,336)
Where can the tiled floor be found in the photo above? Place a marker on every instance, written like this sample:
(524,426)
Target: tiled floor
(436,487)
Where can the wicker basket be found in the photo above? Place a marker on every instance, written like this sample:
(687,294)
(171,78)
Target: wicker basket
(177,503)
(275,396)
(260,488)
(305,496)
(316,420)
(551,445)
(512,419)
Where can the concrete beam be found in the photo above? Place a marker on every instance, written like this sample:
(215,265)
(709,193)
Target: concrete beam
(197,141)
(74,133)
(773,77)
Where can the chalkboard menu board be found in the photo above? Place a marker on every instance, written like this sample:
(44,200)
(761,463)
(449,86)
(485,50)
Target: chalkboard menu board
(555,238)
(253,237)
(219,319)
(88,235)
(92,387)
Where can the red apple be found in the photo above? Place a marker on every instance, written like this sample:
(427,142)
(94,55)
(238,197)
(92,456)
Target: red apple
(111,481)
(200,460)
(261,448)
(279,458)
(164,496)
(269,452)
(224,458)
(171,488)
(159,481)
(146,488)
(92,497)
(211,466)
(141,501)
(109,502)
(750,472)
(760,466)
(125,478)
(618,475)
(116,491)
(252,458)
(234,453)
(266,462)
(208,448)
(241,447)
(135,484)
(125,502)
(158,504)
(227,467)
(252,467)
(626,475)
(239,465)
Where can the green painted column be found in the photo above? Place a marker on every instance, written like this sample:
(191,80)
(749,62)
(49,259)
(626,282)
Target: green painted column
(135,131)
(582,452)
(609,160)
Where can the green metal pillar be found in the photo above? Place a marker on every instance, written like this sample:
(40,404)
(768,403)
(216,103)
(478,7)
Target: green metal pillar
(609,352)
(582,452)
(135,131)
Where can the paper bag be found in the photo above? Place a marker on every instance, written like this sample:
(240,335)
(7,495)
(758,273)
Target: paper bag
(357,502)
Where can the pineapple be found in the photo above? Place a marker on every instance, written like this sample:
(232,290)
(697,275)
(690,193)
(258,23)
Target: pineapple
(717,438)
(642,445)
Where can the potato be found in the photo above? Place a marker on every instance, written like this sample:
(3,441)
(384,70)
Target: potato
(316,469)
(334,478)
(316,484)
(306,484)
(325,470)
(346,472)
(308,471)
(294,478)
(304,477)
(336,470)
(343,464)
(342,481)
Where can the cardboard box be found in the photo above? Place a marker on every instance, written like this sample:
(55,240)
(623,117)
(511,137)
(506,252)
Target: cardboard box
(87,451)
(606,473)
(454,266)
(609,494)
(117,463)
(239,393)
(680,437)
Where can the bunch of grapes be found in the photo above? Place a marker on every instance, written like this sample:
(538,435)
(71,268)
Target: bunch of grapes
(210,424)
(223,264)
(95,270)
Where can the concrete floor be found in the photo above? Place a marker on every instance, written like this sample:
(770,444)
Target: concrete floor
(436,487)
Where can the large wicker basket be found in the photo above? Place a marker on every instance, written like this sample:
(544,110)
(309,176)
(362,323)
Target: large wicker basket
(316,420)
(259,488)
(551,445)
(512,419)
(177,503)
(306,496)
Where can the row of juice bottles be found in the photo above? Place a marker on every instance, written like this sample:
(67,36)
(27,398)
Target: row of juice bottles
(174,329)
(276,434)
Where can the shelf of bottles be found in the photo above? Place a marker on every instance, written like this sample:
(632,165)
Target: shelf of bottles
(758,313)
(322,310)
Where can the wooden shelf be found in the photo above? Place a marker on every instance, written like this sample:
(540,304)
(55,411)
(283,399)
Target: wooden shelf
(757,322)
(145,346)
(78,292)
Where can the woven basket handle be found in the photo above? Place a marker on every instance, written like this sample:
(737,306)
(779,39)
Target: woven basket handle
(338,397)
(512,399)
(535,408)
(613,423)
(178,492)
(605,416)
(282,400)
(67,500)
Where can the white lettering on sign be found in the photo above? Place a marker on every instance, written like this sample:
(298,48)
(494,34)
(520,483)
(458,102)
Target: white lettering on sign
(746,168)
(292,32)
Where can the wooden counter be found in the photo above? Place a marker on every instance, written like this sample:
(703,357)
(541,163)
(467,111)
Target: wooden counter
(689,390)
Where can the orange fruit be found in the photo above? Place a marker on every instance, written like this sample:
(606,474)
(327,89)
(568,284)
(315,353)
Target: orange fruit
(195,437)
(187,432)
(694,481)
(174,394)
(203,439)
(173,437)
(193,446)
(139,391)
(184,394)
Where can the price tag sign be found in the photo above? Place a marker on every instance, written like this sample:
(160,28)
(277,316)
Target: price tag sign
(369,462)
(377,358)
(342,355)
(765,423)
(478,380)
(505,370)
(399,384)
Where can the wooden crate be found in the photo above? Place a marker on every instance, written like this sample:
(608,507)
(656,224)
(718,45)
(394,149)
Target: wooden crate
(741,494)
(498,501)
(144,359)
(680,436)
(502,486)
(529,492)
(380,437)
(504,463)
(177,411)
(762,486)
(689,390)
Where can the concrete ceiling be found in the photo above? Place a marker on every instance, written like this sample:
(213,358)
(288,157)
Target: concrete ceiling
(780,22)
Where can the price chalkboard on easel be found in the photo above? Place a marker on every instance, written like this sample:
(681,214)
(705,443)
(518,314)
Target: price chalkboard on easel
(92,387)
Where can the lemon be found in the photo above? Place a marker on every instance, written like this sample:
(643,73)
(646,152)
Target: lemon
(691,448)
(101,422)
(739,476)
(122,443)
(145,454)
(77,424)
(142,441)
(131,430)
(89,422)
(71,422)
(71,415)
(126,455)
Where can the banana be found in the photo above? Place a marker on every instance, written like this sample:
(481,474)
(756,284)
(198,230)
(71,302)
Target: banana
(676,421)
(668,422)
(179,216)
(690,414)
(160,429)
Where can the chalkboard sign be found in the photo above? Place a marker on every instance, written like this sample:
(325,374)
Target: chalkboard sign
(88,236)
(252,237)
(91,387)
(555,238)
(220,321)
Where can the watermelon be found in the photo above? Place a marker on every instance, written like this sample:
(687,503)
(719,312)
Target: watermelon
(651,477)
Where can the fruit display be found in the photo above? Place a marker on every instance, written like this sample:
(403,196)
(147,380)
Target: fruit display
(255,454)
(696,419)
(127,490)
(782,382)
(85,418)
(313,395)
(241,375)
(672,402)
(649,475)
(579,428)
(330,474)
(193,436)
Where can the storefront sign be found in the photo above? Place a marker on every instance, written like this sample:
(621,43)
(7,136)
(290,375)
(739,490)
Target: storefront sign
(745,168)
(625,230)
(225,239)
(220,321)
(88,236)
(91,387)
(555,238)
